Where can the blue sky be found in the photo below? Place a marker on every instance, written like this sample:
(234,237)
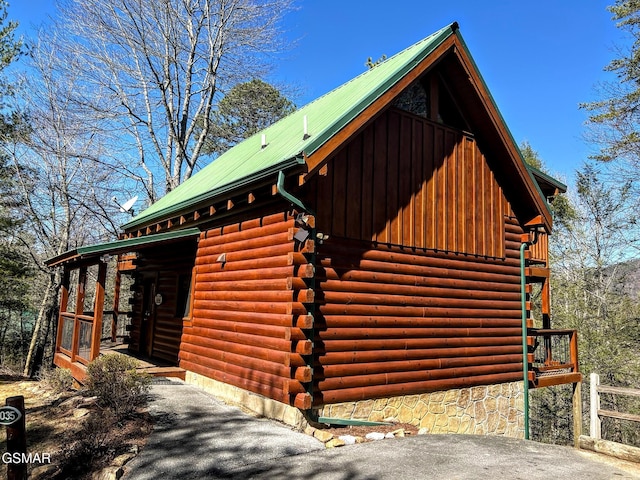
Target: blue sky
(539,58)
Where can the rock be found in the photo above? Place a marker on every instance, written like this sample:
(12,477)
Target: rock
(309,430)
(398,433)
(323,435)
(109,473)
(389,435)
(423,431)
(359,439)
(335,442)
(121,460)
(72,402)
(88,401)
(348,439)
(135,449)
(374,436)
(80,412)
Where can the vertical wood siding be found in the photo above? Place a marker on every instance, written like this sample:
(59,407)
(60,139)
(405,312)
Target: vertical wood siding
(407,181)
(163,265)
(249,311)
(395,321)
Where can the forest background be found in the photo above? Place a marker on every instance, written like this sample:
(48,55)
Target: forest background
(97,107)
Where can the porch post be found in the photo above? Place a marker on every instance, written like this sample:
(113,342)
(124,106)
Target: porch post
(116,306)
(64,302)
(82,281)
(98,309)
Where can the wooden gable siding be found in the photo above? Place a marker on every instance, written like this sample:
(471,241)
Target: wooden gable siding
(162,266)
(540,249)
(249,311)
(405,180)
(396,321)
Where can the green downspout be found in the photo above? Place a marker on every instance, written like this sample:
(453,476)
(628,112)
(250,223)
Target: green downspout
(297,202)
(525,348)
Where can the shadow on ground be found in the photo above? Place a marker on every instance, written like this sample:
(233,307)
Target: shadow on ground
(198,437)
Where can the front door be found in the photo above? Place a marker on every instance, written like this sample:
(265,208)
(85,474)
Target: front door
(148,316)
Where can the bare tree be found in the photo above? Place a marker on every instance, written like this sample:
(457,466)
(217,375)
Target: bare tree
(151,68)
(64,196)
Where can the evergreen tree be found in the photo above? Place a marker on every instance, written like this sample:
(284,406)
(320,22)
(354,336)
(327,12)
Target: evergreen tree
(248,108)
(14,270)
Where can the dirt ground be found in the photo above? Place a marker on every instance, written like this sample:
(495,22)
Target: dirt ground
(72,434)
(362,430)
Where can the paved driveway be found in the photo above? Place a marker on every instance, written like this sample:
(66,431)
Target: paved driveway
(198,437)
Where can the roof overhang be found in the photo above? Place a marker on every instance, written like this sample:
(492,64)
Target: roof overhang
(93,252)
(549,186)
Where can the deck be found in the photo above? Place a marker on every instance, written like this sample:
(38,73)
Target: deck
(151,366)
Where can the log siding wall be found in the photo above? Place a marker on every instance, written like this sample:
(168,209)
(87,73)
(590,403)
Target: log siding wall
(405,180)
(249,322)
(394,321)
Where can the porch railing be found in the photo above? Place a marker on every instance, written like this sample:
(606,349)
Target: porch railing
(553,357)
(79,331)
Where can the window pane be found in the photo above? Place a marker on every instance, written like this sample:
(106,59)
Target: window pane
(67,333)
(84,344)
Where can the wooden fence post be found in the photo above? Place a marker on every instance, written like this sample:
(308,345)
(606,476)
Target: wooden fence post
(17,440)
(577,413)
(595,426)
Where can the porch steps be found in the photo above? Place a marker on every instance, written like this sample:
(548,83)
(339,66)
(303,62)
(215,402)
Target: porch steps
(170,372)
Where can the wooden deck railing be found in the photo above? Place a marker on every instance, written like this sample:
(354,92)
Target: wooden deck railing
(554,359)
(594,441)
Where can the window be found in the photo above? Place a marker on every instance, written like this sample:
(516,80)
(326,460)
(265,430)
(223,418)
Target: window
(183,302)
(414,99)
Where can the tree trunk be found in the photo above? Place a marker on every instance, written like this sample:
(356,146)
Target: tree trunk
(42,313)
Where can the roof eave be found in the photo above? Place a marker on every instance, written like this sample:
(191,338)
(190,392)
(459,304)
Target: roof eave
(172,210)
(120,246)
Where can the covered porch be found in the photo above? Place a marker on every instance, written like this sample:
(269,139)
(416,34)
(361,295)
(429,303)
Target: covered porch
(91,313)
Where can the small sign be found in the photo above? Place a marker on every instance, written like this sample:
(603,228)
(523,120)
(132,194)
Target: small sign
(9,415)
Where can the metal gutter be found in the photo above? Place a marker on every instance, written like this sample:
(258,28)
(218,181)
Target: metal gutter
(173,209)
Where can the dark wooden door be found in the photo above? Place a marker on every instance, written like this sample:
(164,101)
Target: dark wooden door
(148,316)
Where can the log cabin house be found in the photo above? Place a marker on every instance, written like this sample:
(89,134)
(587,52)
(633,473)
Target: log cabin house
(371,255)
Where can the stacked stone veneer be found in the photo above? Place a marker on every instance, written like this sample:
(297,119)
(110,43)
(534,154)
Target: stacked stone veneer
(484,410)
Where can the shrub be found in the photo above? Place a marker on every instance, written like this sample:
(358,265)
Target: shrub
(58,379)
(114,380)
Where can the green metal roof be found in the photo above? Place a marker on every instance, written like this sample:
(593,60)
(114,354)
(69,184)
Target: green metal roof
(286,144)
(121,246)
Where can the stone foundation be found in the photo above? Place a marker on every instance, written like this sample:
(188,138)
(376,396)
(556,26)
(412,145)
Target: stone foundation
(485,410)
(257,404)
